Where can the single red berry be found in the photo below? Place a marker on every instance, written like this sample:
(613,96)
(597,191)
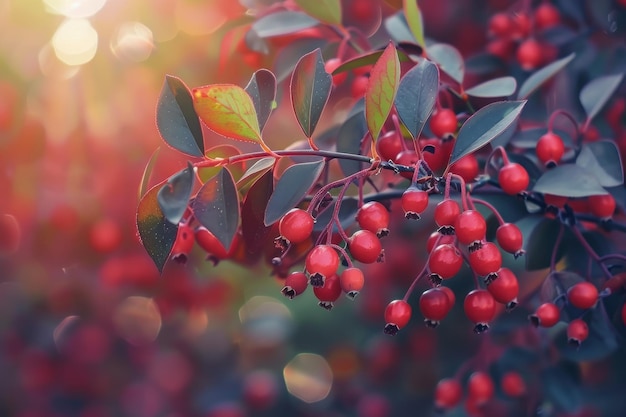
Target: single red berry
(389,145)
(328,293)
(530,54)
(331,65)
(480,387)
(408,158)
(579,205)
(321,262)
(582,295)
(183,244)
(295,284)
(557,201)
(414,202)
(10,235)
(546,315)
(577,332)
(436,239)
(480,308)
(365,246)
(105,236)
(500,25)
(550,148)
(485,260)
(513,178)
(443,123)
(445,261)
(448,393)
(470,226)
(521,25)
(397,315)
(466,167)
(296,225)
(351,280)
(438,158)
(434,305)
(510,238)
(513,384)
(504,287)
(210,244)
(446,213)
(546,16)
(373,216)
(450,294)
(602,205)
(359,86)
(501,48)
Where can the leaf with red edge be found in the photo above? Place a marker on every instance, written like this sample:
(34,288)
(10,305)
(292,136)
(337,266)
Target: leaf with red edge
(147,173)
(327,11)
(176,118)
(174,196)
(216,207)
(414,20)
(449,59)
(262,90)
(310,89)
(253,228)
(381,90)
(157,234)
(252,174)
(227,110)
(221,152)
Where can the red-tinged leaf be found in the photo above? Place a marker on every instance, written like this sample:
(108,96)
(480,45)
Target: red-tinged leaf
(157,234)
(449,59)
(290,188)
(227,110)
(541,76)
(381,91)
(262,90)
(253,173)
(253,229)
(327,11)
(310,89)
(177,120)
(147,173)
(174,196)
(221,152)
(216,207)
(282,23)
(414,20)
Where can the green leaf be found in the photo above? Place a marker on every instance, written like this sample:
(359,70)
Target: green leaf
(253,173)
(216,207)
(569,180)
(310,90)
(228,110)
(147,173)
(414,20)
(156,233)
(368,58)
(417,95)
(596,93)
(177,120)
(398,29)
(220,152)
(327,11)
(350,137)
(498,87)
(381,91)
(262,90)
(449,60)
(541,76)
(290,188)
(174,196)
(603,159)
(282,23)
(484,126)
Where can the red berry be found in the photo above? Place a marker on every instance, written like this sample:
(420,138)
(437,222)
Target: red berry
(295,284)
(389,145)
(434,305)
(331,65)
(373,216)
(296,225)
(582,295)
(439,239)
(448,393)
(557,201)
(321,262)
(359,86)
(10,235)
(183,244)
(445,261)
(512,384)
(546,315)
(450,294)
(485,260)
(365,246)
(602,205)
(437,160)
(446,213)
(414,202)
(407,158)
(105,235)
(470,226)
(577,332)
(504,287)
(466,167)
(211,245)
(510,238)
(328,293)
(500,25)
(547,16)
(480,308)
(501,48)
(513,178)
(521,25)
(352,280)
(397,315)
(443,123)
(530,54)
(550,148)
(260,390)
(480,387)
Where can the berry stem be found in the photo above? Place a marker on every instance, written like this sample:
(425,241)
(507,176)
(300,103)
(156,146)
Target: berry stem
(463,188)
(591,252)
(490,207)
(557,243)
(417,278)
(565,113)
(343,253)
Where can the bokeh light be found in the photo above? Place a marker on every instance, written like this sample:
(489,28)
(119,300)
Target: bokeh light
(75,42)
(308,377)
(137,320)
(133,42)
(75,8)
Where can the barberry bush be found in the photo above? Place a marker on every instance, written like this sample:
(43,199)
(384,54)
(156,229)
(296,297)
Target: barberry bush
(482,182)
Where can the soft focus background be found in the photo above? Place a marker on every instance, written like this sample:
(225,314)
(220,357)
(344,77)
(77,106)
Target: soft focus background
(88,328)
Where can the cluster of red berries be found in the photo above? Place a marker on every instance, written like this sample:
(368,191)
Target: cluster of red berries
(187,236)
